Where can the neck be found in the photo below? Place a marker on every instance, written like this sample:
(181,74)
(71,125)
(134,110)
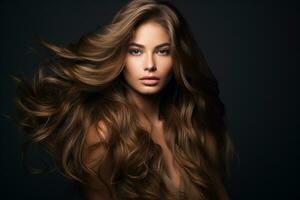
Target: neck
(149,104)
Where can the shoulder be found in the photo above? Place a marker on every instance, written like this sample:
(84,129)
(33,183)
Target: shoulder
(97,133)
(98,159)
(96,144)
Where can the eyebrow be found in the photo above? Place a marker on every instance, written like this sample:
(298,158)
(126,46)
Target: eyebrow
(142,46)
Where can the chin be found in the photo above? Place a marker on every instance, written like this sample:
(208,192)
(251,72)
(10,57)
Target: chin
(149,91)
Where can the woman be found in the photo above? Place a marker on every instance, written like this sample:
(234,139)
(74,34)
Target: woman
(132,111)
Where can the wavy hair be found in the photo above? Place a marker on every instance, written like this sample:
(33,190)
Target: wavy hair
(83,84)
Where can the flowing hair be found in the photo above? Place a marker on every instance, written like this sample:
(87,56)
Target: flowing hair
(83,83)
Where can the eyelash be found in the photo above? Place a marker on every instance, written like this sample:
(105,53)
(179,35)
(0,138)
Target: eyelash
(167,51)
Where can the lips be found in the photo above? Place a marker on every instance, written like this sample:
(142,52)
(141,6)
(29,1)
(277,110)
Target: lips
(150,80)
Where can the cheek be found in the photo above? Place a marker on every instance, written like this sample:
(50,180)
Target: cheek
(128,74)
(166,66)
(133,65)
(130,68)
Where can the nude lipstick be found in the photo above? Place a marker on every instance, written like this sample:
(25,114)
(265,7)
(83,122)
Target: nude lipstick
(149,80)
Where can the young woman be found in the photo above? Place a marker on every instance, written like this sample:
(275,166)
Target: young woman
(132,111)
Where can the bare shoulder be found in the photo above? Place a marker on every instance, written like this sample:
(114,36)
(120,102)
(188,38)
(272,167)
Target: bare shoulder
(97,158)
(96,148)
(97,133)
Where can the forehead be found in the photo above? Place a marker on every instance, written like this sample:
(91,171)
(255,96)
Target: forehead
(150,33)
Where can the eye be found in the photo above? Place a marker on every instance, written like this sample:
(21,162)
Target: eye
(164,52)
(135,52)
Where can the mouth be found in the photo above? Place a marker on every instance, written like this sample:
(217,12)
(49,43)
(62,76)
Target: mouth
(150,82)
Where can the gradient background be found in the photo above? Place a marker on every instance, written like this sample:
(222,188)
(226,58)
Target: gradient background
(252,48)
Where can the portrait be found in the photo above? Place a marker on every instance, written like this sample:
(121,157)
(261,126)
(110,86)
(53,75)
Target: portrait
(139,102)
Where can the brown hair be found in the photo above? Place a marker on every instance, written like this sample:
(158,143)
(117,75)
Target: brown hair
(83,84)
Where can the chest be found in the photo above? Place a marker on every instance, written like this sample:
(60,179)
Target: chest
(172,168)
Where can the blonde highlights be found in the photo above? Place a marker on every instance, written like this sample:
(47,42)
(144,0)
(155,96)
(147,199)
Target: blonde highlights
(83,84)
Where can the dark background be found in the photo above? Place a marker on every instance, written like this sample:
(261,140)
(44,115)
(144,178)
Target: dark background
(252,48)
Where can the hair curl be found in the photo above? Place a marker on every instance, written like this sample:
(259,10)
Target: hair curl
(83,84)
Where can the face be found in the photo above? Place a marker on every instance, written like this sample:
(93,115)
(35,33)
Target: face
(149,62)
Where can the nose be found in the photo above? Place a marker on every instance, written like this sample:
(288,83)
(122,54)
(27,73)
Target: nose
(150,64)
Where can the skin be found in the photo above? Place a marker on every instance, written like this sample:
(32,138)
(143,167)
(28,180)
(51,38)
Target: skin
(140,62)
(149,53)
(146,57)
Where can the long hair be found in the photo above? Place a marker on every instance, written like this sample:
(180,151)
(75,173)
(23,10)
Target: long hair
(83,83)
